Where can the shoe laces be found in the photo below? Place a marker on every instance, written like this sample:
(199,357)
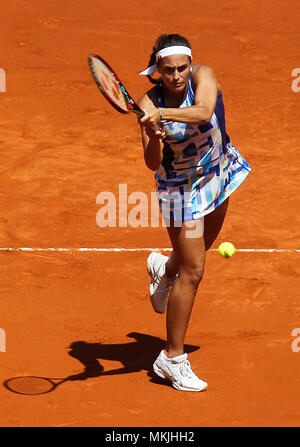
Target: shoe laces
(185,369)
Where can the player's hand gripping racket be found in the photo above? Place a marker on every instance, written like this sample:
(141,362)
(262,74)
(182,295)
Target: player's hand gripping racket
(111,86)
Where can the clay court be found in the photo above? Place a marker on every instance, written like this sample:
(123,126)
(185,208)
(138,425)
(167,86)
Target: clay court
(85,314)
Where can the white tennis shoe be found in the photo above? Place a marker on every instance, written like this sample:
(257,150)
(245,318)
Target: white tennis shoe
(179,372)
(159,286)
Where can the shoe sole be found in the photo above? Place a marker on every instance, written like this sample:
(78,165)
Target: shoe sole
(148,264)
(150,273)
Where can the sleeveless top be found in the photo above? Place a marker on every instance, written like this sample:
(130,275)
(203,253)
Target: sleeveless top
(200,167)
(189,147)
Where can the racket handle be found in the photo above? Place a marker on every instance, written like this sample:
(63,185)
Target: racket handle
(133,107)
(139,112)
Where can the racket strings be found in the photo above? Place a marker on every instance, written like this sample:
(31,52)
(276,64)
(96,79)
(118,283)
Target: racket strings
(108,84)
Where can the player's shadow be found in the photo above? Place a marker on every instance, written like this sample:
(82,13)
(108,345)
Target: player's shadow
(135,356)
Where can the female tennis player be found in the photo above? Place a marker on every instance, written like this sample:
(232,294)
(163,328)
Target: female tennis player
(196,169)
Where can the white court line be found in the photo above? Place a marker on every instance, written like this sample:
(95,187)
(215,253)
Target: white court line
(90,249)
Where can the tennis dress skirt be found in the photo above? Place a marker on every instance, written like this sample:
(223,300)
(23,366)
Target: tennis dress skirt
(204,190)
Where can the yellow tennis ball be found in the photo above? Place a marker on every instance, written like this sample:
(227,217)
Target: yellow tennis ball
(226,249)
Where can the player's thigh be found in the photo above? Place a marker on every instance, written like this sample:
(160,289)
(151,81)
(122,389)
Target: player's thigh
(213,223)
(188,245)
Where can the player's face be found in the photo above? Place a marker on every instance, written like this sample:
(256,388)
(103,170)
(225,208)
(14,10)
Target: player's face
(175,72)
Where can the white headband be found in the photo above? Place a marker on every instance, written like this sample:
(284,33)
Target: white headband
(168,51)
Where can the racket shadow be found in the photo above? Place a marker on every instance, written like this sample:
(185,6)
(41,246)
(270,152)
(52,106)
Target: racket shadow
(134,356)
(32,385)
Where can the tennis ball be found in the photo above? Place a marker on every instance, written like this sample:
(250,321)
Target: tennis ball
(226,249)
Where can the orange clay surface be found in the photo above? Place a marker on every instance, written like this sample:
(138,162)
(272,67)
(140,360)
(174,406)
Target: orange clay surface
(61,144)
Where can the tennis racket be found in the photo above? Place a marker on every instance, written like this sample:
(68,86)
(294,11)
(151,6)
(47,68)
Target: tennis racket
(111,87)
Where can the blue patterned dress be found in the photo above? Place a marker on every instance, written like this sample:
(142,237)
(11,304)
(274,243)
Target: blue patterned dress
(200,166)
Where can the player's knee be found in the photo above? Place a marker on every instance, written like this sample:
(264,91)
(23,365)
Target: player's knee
(197,275)
(194,273)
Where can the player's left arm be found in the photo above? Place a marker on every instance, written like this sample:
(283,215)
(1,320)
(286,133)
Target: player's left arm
(206,91)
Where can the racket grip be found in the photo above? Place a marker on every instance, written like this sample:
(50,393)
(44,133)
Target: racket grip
(139,112)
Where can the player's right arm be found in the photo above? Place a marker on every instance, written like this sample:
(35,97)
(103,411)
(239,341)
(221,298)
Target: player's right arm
(151,135)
